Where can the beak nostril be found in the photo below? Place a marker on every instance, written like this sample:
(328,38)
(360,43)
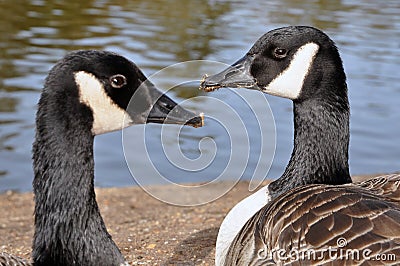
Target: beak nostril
(168,107)
(231,73)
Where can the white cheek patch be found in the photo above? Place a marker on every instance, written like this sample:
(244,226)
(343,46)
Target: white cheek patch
(289,83)
(108,116)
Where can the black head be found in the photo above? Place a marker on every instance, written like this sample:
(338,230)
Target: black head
(289,62)
(102,84)
(303,64)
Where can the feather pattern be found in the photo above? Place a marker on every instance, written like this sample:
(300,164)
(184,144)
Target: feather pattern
(354,222)
(7,259)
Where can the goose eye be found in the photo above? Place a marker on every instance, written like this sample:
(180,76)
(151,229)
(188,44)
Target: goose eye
(280,53)
(117,81)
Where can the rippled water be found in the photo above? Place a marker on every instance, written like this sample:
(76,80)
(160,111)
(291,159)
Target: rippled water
(156,34)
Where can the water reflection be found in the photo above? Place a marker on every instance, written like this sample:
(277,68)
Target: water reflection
(155,34)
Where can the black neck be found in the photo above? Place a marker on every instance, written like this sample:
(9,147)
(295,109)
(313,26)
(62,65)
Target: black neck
(321,140)
(69,229)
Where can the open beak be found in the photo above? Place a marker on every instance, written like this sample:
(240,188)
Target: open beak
(236,76)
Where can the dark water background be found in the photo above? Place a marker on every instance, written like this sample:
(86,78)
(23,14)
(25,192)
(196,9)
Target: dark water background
(155,34)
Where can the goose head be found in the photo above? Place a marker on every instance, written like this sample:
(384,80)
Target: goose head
(302,64)
(98,87)
(85,94)
(288,62)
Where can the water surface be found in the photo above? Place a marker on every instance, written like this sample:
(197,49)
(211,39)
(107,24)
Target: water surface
(157,34)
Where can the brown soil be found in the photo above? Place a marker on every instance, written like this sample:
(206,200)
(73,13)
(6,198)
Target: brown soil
(148,231)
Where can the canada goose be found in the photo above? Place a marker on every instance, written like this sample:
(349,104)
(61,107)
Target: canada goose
(314,206)
(85,94)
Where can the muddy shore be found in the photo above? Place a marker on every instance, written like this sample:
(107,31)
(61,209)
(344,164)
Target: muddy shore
(148,231)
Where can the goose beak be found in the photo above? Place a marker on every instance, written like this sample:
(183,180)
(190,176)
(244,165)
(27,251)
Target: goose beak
(236,76)
(165,111)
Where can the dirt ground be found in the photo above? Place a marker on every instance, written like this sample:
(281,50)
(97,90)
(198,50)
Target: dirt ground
(148,231)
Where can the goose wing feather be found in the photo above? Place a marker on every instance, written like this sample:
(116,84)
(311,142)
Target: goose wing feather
(344,220)
(385,185)
(7,259)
